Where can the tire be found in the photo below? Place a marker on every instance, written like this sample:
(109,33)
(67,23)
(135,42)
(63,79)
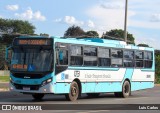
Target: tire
(73,93)
(126,89)
(93,94)
(38,96)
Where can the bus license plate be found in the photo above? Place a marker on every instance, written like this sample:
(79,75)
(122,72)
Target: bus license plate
(26,88)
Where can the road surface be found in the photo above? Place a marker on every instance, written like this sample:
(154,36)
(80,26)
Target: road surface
(149,96)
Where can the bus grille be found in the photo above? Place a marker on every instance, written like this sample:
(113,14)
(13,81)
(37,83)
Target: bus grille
(32,87)
(28,76)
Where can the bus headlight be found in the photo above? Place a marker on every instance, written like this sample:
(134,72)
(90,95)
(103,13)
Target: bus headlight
(46,82)
(11,80)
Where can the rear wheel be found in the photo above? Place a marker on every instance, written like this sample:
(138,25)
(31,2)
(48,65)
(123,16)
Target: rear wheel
(38,96)
(93,94)
(126,90)
(74,92)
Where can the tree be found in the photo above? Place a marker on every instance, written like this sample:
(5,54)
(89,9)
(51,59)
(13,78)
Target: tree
(9,26)
(157,65)
(119,34)
(74,31)
(92,33)
(9,29)
(143,45)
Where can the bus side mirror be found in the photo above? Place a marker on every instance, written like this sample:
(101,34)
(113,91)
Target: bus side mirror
(8,54)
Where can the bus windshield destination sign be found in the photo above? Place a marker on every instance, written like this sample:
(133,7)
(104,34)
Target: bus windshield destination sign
(32,42)
(19,66)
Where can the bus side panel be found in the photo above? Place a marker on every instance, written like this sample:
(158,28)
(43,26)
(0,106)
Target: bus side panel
(141,85)
(90,87)
(62,88)
(108,87)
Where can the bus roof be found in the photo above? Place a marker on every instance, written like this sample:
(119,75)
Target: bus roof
(94,42)
(100,42)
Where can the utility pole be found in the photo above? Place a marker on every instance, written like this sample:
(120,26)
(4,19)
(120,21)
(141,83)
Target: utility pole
(125,21)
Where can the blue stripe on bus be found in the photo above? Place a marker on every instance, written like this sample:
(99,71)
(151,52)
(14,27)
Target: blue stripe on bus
(93,68)
(128,74)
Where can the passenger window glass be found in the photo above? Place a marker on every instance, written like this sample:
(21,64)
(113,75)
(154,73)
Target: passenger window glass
(90,61)
(104,57)
(116,62)
(90,51)
(128,54)
(139,55)
(76,55)
(139,63)
(103,53)
(148,55)
(63,57)
(117,53)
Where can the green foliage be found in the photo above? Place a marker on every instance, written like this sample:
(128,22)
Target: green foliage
(8,29)
(74,31)
(157,65)
(143,45)
(4,78)
(9,26)
(119,33)
(92,34)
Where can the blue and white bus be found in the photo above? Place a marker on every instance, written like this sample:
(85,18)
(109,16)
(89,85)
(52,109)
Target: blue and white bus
(73,66)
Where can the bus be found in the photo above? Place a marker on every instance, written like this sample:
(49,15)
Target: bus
(74,66)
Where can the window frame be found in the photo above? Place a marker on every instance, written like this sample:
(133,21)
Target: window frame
(133,60)
(106,58)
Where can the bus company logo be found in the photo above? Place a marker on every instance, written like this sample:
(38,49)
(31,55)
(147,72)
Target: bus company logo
(76,73)
(6,107)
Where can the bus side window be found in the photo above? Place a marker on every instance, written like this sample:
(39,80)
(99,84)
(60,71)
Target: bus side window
(139,59)
(117,58)
(63,57)
(148,59)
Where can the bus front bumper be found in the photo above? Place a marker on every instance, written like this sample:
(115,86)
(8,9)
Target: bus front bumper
(48,88)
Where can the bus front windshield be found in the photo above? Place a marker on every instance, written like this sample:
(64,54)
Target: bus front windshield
(32,59)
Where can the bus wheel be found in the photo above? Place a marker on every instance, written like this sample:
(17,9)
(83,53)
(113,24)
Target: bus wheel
(126,89)
(37,96)
(74,92)
(93,94)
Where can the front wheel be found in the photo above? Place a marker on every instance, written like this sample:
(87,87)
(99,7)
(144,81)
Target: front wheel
(74,92)
(37,96)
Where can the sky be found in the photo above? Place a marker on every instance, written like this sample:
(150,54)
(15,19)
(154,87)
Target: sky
(55,16)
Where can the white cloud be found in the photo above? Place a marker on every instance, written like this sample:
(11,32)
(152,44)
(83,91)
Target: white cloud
(91,24)
(110,4)
(108,18)
(152,42)
(30,15)
(70,20)
(58,20)
(12,7)
(38,16)
(155,17)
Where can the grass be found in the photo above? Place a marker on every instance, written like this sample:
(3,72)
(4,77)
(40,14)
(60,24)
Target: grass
(4,78)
